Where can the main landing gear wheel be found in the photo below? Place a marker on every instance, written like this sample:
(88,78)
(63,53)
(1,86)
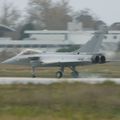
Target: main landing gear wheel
(59,74)
(33,76)
(75,74)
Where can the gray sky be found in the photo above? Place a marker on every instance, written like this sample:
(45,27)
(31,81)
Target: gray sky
(106,10)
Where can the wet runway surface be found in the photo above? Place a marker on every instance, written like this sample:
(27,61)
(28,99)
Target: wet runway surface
(46,81)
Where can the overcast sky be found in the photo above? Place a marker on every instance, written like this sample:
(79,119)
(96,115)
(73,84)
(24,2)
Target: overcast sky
(106,10)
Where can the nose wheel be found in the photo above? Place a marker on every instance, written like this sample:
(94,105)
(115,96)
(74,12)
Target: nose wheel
(33,72)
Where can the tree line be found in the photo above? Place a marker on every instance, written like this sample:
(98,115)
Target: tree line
(47,14)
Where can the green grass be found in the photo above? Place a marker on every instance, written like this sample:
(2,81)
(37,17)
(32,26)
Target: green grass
(103,70)
(61,101)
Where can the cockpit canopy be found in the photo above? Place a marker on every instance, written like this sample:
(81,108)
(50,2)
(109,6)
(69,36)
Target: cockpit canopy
(30,52)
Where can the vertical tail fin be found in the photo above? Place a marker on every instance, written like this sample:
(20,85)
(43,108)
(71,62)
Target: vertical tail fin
(94,45)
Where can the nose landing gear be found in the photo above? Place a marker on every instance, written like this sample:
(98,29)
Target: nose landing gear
(33,72)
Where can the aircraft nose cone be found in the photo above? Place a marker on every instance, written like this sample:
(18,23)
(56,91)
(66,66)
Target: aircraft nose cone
(8,61)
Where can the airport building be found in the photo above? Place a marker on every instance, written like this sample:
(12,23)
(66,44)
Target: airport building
(3,30)
(75,35)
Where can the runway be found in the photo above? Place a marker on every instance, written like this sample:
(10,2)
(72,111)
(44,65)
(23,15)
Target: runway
(47,81)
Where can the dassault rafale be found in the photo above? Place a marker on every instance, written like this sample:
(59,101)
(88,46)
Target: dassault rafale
(86,55)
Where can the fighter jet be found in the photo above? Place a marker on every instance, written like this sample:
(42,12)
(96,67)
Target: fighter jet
(86,55)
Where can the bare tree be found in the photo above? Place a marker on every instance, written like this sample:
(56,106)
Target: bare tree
(59,15)
(48,14)
(89,19)
(9,14)
(37,11)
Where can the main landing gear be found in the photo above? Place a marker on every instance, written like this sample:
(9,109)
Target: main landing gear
(59,74)
(74,73)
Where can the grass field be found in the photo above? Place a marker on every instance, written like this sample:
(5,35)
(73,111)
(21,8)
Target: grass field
(62,101)
(102,70)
